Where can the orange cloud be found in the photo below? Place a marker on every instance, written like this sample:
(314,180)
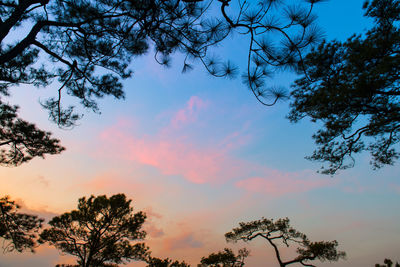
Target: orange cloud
(113,183)
(44,256)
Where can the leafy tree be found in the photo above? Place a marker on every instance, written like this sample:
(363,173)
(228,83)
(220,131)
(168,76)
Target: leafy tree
(280,230)
(20,141)
(74,265)
(90,44)
(99,232)
(352,88)
(388,263)
(226,258)
(19,230)
(156,262)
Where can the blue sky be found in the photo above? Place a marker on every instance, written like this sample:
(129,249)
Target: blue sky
(200,155)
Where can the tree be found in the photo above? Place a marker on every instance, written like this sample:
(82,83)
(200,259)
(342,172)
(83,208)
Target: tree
(99,233)
(19,230)
(156,262)
(20,141)
(90,44)
(352,88)
(388,263)
(72,265)
(226,258)
(280,230)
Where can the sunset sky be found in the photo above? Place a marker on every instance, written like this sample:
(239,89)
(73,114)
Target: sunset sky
(199,155)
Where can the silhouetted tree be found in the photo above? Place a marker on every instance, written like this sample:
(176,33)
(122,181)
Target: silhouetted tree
(20,141)
(352,88)
(156,262)
(18,230)
(226,258)
(90,44)
(100,232)
(388,263)
(281,231)
(75,265)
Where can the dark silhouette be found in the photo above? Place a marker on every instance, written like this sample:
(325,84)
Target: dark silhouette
(99,233)
(387,263)
(226,258)
(281,231)
(74,265)
(20,141)
(156,262)
(18,230)
(90,44)
(352,88)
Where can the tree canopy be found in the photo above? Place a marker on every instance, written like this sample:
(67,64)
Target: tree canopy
(90,45)
(18,230)
(100,232)
(226,258)
(20,141)
(387,263)
(352,89)
(281,231)
(156,262)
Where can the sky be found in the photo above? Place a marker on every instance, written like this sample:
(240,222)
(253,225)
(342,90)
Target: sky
(199,155)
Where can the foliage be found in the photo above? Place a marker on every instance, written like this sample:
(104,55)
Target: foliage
(20,141)
(226,258)
(72,265)
(17,229)
(352,88)
(388,263)
(156,262)
(90,44)
(280,230)
(99,232)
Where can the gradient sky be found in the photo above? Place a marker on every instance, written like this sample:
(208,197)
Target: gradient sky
(200,155)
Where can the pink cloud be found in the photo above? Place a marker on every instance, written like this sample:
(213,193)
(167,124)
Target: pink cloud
(172,153)
(281,184)
(202,160)
(171,157)
(189,113)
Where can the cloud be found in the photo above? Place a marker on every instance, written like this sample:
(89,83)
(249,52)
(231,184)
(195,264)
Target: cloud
(189,113)
(152,230)
(42,180)
(172,152)
(181,148)
(151,213)
(41,212)
(184,240)
(44,256)
(276,183)
(152,220)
